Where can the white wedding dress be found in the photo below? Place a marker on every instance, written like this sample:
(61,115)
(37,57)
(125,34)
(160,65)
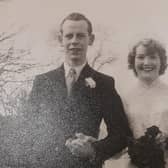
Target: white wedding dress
(145,106)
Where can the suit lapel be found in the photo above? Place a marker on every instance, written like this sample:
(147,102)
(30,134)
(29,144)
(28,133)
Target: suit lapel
(86,72)
(80,84)
(58,82)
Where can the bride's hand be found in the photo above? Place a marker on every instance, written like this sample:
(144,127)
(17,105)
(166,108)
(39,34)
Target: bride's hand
(81,146)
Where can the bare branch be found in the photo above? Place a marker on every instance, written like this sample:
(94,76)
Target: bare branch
(4,36)
(107,61)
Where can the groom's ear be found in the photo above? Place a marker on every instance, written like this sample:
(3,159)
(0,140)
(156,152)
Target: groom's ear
(91,39)
(60,38)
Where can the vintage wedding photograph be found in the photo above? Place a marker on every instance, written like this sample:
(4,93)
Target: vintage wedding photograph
(83,84)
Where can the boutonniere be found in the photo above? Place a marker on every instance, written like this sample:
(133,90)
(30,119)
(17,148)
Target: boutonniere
(90,82)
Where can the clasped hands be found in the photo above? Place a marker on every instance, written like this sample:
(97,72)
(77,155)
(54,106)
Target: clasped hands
(81,146)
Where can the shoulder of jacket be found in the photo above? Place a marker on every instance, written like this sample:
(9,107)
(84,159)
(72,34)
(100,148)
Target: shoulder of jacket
(48,74)
(104,77)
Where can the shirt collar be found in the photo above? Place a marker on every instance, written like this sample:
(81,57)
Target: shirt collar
(78,69)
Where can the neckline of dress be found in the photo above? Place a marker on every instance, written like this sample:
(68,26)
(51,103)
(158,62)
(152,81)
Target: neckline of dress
(154,84)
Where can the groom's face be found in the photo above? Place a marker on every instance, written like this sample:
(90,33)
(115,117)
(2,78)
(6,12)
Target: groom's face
(75,39)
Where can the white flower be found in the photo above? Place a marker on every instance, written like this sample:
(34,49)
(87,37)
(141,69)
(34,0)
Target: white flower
(90,82)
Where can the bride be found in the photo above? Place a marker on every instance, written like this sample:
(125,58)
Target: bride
(147,102)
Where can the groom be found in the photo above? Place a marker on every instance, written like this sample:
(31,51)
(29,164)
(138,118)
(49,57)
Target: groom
(79,98)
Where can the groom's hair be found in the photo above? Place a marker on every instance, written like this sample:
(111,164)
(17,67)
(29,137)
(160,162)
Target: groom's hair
(77,17)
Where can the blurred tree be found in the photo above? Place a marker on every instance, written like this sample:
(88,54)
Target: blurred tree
(103,53)
(11,64)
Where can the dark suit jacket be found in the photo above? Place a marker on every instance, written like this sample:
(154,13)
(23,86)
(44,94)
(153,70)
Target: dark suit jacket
(81,112)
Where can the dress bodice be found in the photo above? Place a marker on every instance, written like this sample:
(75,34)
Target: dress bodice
(147,106)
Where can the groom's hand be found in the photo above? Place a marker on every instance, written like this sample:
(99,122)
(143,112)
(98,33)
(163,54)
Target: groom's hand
(85,138)
(81,146)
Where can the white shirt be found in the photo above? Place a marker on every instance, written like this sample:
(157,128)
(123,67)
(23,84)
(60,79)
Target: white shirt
(78,69)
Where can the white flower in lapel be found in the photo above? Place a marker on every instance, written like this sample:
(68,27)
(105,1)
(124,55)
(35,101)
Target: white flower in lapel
(90,82)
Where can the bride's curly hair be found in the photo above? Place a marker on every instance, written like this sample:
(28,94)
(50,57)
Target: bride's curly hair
(152,47)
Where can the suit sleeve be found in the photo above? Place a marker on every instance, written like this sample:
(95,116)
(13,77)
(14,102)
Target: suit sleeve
(117,127)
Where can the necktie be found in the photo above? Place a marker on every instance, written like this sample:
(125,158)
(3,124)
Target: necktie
(70,80)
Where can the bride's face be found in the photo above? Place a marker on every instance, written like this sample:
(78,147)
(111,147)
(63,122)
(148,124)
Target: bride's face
(147,64)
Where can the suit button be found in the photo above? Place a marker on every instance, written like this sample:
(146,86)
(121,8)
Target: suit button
(56,149)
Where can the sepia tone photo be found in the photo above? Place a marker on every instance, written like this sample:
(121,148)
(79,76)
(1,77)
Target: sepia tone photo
(83,84)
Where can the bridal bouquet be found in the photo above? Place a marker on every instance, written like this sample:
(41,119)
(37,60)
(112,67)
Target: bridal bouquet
(148,150)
